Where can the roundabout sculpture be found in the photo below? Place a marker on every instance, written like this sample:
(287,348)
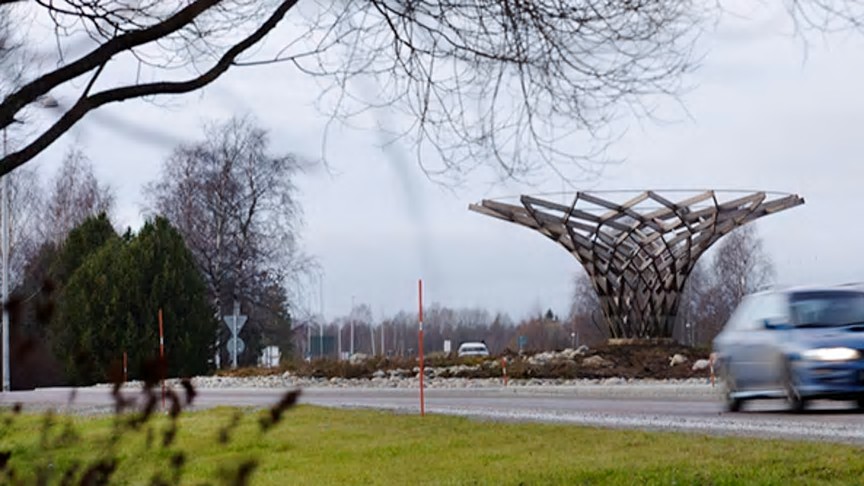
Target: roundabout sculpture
(639,247)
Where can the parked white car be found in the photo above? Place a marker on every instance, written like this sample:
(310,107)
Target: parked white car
(472,349)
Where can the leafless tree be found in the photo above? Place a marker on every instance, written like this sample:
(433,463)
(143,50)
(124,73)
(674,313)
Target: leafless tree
(12,53)
(73,194)
(585,316)
(542,334)
(739,266)
(440,324)
(356,330)
(696,309)
(500,333)
(39,214)
(26,210)
(234,203)
(480,81)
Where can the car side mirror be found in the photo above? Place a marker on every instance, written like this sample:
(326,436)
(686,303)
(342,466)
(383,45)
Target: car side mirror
(773,325)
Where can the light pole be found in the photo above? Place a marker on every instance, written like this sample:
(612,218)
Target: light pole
(352,326)
(5,244)
(309,338)
(321,337)
(323,320)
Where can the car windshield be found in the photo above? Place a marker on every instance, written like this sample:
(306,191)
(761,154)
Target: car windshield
(827,308)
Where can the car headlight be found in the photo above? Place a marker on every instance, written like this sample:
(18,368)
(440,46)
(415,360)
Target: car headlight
(831,354)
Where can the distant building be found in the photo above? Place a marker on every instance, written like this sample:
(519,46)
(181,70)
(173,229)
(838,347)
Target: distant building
(270,357)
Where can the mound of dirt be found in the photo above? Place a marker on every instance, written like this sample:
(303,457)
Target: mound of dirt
(628,360)
(646,361)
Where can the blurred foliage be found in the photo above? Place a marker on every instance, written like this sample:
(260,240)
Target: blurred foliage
(141,444)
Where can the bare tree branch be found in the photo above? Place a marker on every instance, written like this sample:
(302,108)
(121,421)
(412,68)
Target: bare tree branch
(510,85)
(235,205)
(98,57)
(73,195)
(88,103)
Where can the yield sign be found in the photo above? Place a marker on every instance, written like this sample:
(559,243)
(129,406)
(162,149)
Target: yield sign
(229,321)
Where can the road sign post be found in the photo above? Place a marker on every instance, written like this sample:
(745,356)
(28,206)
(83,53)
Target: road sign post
(235,323)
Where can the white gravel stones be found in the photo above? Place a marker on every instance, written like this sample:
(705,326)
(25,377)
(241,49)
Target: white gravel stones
(552,356)
(701,364)
(596,361)
(607,386)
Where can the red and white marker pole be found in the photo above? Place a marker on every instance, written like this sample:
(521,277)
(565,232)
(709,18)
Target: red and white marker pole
(422,370)
(504,369)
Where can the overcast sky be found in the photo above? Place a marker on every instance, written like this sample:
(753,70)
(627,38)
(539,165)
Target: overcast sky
(764,113)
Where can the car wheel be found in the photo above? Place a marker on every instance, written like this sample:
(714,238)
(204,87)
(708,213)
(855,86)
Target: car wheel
(733,404)
(797,403)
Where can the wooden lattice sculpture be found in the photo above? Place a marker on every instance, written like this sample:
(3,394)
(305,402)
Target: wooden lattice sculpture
(639,253)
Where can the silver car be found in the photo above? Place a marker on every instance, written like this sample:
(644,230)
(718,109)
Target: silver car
(798,344)
(472,349)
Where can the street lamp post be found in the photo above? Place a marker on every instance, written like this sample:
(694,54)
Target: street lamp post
(308,339)
(352,326)
(5,250)
(323,319)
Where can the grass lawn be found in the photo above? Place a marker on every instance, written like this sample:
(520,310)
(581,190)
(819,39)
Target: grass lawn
(312,446)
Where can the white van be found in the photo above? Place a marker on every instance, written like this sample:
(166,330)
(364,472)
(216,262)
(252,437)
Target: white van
(472,349)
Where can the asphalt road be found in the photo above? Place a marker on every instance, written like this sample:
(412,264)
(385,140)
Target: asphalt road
(663,410)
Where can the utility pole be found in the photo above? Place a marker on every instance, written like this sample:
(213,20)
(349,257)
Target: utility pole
(372,337)
(321,337)
(353,316)
(309,338)
(323,320)
(5,244)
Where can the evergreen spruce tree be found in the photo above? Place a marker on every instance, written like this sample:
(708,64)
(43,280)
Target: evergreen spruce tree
(112,301)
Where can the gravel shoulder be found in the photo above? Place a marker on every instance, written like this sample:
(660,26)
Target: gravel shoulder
(691,388)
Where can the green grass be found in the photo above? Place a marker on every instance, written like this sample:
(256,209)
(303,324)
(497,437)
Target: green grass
(314,446)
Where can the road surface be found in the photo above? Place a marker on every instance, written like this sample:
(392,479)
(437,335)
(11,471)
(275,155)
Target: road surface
(692,412)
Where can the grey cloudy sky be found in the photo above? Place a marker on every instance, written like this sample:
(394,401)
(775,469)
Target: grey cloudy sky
(764,112)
